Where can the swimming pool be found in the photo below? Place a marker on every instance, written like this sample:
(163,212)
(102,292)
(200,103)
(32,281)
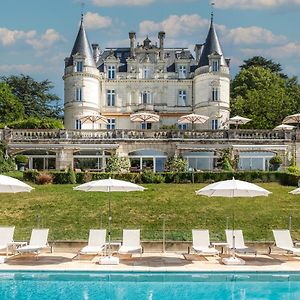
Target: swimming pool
(150,286)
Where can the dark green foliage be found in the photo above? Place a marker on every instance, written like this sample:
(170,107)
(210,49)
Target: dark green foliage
(36,123)
(6,163)
(172,177)
(36,97)
(21,159)
(151,177)
(11,108)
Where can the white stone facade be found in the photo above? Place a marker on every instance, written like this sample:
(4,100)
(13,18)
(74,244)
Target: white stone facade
(151,78)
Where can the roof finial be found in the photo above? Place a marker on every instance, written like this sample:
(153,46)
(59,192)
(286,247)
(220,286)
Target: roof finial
(212,11)
(82,11)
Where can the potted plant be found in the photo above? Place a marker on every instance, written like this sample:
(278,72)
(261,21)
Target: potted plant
(275,162)
(21,161)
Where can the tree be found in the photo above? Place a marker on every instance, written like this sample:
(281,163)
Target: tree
(259,61)
(11,108)
(35,96)
(263,96)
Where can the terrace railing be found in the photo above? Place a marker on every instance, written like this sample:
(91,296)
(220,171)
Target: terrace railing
(52,135)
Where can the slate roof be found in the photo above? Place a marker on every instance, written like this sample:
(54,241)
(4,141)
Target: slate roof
(211,46)
(82,47)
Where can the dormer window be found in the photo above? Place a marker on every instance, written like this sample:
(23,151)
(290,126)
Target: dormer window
(215,65)
(111,72)
(146,72)
(182,72)
(79,66)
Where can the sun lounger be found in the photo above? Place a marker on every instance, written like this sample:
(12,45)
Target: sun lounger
(283,240)
(38,241)
(96,243)
(131,242)
(6,237)
(201,243)
(239,246)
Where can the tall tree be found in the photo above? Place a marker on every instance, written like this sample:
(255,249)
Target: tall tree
(259,61)
(11,109)
(35,96)
(262,95)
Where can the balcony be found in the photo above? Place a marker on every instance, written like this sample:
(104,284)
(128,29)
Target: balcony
(119,135)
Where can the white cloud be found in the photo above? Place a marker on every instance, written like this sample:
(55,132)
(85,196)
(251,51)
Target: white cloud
(22,68)
(252,35)
(122,2)
(49,38)
(175,25)
(254,4)
(95,21)
(9,37)
(290,50)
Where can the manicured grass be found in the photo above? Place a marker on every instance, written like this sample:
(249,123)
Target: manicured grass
(70,214)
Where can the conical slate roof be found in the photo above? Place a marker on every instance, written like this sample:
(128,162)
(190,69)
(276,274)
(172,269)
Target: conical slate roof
(211,46)
(82,47)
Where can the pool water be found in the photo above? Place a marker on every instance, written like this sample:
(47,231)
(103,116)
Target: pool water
(150,286)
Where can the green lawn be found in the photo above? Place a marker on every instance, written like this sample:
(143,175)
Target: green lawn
(69,214)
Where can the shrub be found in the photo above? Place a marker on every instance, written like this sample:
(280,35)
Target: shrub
(44,178)
(30,175)
(36,123)
(276,160)
(151,177)
(117,164)
(71,176)
(293,170)
(21,159)
(176,164)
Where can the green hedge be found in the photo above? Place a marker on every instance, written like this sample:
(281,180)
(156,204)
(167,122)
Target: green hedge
(171,177)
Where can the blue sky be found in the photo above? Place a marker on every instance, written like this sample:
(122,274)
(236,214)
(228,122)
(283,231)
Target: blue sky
(36,35)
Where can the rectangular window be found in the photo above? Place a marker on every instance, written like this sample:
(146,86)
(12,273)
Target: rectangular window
(146,125)
(146,98)
(182,98)
(111,124)
(111,98)
(214,124)
(78,94)
(183,126)
(182,72)
(215,94)
(111,72)
(146,73)
(215,66)
(79,66)
(77,124)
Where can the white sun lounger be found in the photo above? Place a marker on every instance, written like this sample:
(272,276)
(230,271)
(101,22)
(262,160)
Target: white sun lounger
(96,243)
(131,242)
(283,240)
(240,246)
(38,241)
(6,237)
(201,243)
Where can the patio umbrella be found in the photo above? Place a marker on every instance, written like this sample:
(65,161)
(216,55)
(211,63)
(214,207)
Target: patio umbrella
(284,127)
(108,186)
(233,188)
(192,119)
(94,119)
(144,117)
(295,192)
(292,119)
(238,120)
(13,185)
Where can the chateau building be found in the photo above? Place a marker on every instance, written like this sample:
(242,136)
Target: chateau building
(148,77)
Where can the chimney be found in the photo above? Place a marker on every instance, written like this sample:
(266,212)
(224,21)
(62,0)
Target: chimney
(198,51)
(161,37)
(132,37)
(96,52)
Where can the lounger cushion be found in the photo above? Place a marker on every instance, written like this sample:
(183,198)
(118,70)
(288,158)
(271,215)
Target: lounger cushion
(126,249)
(92,249)
(206,250)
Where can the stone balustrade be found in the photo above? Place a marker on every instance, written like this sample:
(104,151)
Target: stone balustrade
(52,135)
